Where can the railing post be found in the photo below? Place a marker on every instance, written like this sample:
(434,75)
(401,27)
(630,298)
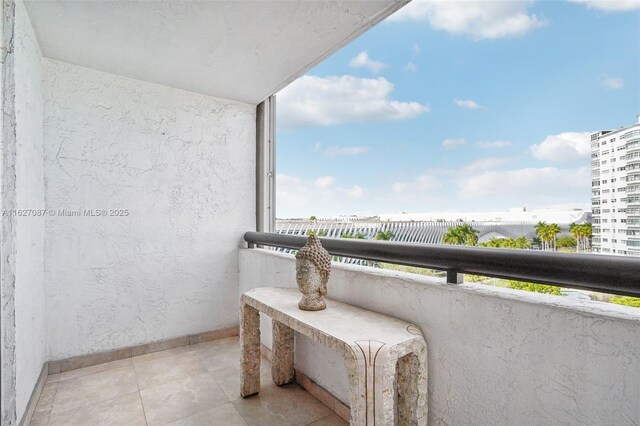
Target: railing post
(453,277)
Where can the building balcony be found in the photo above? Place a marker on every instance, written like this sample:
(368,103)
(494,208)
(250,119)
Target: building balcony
(135,158)
(528,345)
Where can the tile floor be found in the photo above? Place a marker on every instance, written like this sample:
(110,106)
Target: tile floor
(191,385)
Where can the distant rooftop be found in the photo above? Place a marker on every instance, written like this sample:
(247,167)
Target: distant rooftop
(517,214)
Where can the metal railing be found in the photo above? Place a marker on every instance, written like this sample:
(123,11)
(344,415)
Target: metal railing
(607,274)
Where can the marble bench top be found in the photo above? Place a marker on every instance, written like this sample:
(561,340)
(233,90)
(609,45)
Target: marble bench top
(340,321)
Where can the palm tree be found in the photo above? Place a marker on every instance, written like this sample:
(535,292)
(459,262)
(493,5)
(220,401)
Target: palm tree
(513,243)
(357,235)
(574,230)
(548,234)
(384,235)
(522,243)
(585,231)
(541,232)
(453,236)
(493,242)
(462,235)
(554,230)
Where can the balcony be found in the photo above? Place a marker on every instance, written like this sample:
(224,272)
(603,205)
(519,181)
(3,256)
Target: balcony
(135,158)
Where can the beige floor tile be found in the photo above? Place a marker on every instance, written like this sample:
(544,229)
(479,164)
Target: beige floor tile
(331,420)
(229,380)
(93,388)
(219,356)
(285,405)
(181,398)
(156,371)
(45,403)
(74,374)
(122,410)
(224,415)
(44,421)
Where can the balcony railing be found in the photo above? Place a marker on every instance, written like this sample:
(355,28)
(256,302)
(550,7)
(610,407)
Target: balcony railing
(607,274)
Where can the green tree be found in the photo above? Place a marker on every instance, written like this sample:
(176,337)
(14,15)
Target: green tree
(313,218)
(453,237)
(384,235)
(513,243)
(585,232)
(538,288)
(548,232)
(461,235)
(626,300)
(554,230)
(357,235)
(582,234)
(522,243)
(542,231)
(566,242)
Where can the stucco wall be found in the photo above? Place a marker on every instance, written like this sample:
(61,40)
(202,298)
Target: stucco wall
(183,165)
(496,356)
(29,294)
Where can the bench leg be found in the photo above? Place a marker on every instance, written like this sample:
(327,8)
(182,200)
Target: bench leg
(250,346)
(412,388)
(282,360)
(356,373)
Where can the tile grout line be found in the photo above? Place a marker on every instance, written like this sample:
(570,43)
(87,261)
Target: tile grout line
(322,418)
(206,372)
(135,373)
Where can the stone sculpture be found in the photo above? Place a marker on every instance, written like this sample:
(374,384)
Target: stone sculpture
(313,265)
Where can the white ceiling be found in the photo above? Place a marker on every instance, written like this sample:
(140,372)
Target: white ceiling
(241,50)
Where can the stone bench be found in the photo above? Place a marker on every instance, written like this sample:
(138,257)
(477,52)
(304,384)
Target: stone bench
(386,358)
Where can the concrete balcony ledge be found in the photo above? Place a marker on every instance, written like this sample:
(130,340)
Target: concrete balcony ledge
(496,355)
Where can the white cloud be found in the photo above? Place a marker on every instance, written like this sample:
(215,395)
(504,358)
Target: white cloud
(613,83)
(486,163)
(610,5)
(467,103)
(523,186)
(453,143)
(323,101)
(299,197)
(362,60)
(568,146)
(324,182)
(410,67)
(494,144)
(335,151)
(480,20)
(416,49)
(425,182)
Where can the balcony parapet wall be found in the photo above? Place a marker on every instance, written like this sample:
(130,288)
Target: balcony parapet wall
(496,356)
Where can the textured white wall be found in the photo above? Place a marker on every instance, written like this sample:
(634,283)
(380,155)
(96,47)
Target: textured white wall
(183,165)
(29,291)
(496,356)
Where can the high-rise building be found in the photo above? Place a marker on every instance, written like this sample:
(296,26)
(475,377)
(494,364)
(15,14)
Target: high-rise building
(615,190)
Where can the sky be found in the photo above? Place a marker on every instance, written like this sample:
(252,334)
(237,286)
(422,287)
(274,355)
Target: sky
(460,106)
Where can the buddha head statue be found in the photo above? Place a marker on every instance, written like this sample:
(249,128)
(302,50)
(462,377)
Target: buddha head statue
(313,265)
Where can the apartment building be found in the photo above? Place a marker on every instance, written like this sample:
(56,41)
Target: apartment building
(615,190)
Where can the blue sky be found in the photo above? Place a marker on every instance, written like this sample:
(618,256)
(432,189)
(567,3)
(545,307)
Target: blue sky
(460,106)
